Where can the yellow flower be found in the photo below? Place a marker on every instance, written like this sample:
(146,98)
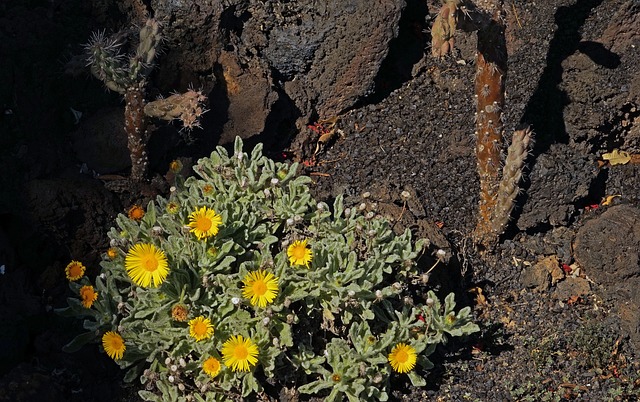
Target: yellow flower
(211,366)
(207,189)
(403,358)
(336,377)
(74,271)
(204,222)
(175,166)
(172,207)
(88,295)
(113,345)
(299,254)
(136,213)
(112,253)
(146,265)
(200,328)
(239,353)
(179,312)
(261,287)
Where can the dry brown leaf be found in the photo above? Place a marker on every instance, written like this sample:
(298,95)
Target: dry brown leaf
(617,157)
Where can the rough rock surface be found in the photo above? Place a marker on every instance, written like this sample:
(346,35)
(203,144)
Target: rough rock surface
(608,248)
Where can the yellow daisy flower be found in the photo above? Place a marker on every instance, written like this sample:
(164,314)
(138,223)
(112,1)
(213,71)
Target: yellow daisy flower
(204,222)
(261,287)
(211,366)
(200,328)
(299,254)
(113,345)
(88,295)
(239,353)
(146,265)
(403,358)
(136,213)
(74,270)
(112,253)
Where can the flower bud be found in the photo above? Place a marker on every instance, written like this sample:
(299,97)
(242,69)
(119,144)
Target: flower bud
(351,293)
(167,361)
(405,195)
(174,367)
(430,302)
(274,181)
(362,207)
(366,195)
(182,362)
(235,301)
(265,321)
(289,222)
(156,231)
(171,379)
(181,387)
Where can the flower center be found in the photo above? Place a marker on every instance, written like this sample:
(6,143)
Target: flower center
(75,270)
(150,264)
(116,343)
(200,328)
(213,365)
(259,288)
(402,356)
(203,223)
(240,352)
(299,252)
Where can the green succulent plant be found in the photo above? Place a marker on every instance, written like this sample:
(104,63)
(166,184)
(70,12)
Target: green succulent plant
(240,276)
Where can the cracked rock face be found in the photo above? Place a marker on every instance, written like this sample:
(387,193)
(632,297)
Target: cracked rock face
(280,60)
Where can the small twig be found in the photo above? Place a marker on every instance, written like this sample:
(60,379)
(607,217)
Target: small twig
(319,174)
(515,12)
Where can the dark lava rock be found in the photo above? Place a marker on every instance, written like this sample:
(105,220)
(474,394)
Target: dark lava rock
(559,181)
(608,249)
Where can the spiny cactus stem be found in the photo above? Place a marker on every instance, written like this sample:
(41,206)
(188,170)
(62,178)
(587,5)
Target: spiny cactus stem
(136,128)
(491,71)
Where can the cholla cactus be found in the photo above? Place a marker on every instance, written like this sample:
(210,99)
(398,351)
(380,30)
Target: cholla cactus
(496,203)
(128,76)
(186,107)
(241,275)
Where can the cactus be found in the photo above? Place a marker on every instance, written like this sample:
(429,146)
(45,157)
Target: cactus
(128,76)
(496,194)
(186,107)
